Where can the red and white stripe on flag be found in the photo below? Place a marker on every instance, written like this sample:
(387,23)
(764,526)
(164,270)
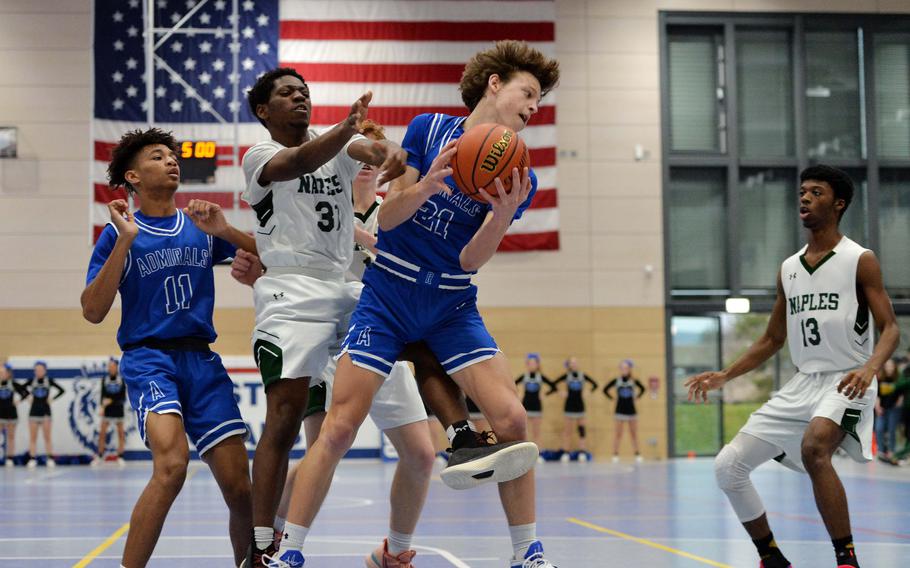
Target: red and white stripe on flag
(411,55)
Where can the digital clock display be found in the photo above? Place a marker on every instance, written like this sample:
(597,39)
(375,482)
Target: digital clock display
(198,161)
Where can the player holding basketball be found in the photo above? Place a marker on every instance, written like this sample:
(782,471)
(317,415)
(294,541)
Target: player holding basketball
(299,185)
(431,240)
(824,295)
(162,266)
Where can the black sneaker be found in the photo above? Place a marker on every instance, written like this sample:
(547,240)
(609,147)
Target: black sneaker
(488,463)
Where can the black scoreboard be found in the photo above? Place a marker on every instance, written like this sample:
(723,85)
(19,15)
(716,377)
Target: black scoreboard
(198,160)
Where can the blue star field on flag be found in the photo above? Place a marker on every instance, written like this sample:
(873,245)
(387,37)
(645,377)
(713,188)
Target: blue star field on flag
(194,77)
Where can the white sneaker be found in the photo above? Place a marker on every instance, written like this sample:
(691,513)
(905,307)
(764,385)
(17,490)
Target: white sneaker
(120,462)
(639,459)
(32,463)
(615,459)
(582,456)
(96,461)
(9,462)
(50,463)
(565,457)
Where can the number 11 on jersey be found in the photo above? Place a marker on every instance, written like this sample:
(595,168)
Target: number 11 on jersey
(177,293)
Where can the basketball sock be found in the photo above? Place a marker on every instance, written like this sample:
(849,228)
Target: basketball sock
(844,551)
(399,542)
(264,536)
(460,434)
(770,554)
(523,536)
(294,535)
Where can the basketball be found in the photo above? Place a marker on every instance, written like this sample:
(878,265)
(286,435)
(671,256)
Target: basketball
(484,153)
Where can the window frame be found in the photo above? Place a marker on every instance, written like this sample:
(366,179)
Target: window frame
(681,302)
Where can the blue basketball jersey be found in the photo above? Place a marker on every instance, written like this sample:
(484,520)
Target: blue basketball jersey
(167,289)
(444,224)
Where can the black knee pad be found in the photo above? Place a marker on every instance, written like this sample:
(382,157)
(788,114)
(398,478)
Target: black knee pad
(581,431)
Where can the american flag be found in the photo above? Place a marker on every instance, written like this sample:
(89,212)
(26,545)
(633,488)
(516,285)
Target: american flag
(409,53)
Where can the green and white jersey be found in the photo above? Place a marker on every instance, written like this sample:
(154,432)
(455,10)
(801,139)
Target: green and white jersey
(306,222)
(828,322)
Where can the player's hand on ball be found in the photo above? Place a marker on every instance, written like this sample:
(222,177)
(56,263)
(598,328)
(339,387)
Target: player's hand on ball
(506,204)
(207,216)
(434,181)
(359,111)
(122,218)
(246,267)
(856,383)
(700,384)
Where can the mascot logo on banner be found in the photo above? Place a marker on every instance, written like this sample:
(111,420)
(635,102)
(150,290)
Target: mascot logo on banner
(85,408)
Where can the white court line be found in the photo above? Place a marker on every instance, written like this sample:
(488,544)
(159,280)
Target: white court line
(448,556)
(457,537)
(44,477)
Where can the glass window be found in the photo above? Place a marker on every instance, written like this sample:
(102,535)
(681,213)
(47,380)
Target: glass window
(696,348)
(764,80)
(892,94)
(767,224)
(698,213)
(745,394)
(833,95)
(894,230)
(695,121)
(853,223)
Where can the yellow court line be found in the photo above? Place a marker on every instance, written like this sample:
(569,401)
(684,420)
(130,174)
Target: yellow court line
(102,547)
(647,542)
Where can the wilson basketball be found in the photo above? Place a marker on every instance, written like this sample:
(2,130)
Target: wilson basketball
(484,153)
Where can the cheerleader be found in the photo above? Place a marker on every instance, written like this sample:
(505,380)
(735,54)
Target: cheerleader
(625,386)
(574,408)
(113,399)
(533,380)
(9,416)
(39,416)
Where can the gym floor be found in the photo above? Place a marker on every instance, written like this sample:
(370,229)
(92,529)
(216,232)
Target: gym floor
(650,515)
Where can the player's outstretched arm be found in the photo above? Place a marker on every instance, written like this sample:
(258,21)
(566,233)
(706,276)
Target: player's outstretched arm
(767,345)
(389,157)
(291,163)
(408,192)
(98,296)
(210,218)
(869,280)
(482,246)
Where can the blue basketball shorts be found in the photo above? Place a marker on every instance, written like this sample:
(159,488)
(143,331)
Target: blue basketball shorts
(192,384)
(393,312)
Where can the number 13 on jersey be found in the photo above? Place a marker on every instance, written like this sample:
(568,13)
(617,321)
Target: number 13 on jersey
(809,328)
